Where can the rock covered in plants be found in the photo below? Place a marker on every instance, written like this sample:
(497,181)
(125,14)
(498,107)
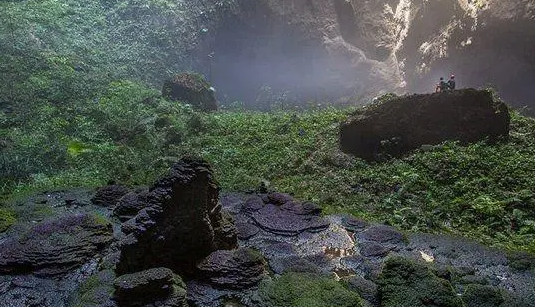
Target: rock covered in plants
(235,269)
(56,246)
(95,291)
(482,296)
(406,283)
(306,289)
(190,88)
(156,286)
(181,224)
(396,126)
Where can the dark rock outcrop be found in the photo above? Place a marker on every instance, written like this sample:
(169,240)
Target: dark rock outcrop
(382,234)
(277,220)
(108,196)
(190,88)
(399,125)
(129,205)
(181,224)
(55,247)
(235,269)
(154,286)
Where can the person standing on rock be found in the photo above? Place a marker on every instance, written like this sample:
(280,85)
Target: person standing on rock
(451,83)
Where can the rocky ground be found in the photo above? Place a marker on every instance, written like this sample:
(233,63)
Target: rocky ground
(71,249)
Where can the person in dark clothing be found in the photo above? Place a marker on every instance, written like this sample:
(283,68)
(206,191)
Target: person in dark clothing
(442,86)
(451,83)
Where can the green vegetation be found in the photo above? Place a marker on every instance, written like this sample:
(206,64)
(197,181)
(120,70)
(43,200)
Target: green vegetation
(306,290)
(95,290)
(482,296)
(405,283)
(7,218)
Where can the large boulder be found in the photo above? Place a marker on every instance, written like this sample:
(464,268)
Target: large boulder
(393,127)
(157,286)
(236,269)
(181,224)
(55,247)
(406,283)
(190,88)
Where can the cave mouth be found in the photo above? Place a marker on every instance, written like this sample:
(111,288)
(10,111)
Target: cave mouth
(260,60)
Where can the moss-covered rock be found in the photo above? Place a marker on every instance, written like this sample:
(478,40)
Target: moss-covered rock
(7,218)
(405,283)
(97,290)
(522,261)
(476,295)
(306,290)
(191,88)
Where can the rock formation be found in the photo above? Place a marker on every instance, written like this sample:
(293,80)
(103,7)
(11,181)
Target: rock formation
(190,88)
(108,196)
(241,268)
(55,247)
(181,224)
(396,126)
(158,286)
(130,204)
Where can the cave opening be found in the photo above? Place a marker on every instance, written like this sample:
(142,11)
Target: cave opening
(258,59)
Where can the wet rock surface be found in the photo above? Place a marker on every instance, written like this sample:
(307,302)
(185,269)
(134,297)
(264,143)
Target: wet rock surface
(342,247)
(56,246)
(394,127)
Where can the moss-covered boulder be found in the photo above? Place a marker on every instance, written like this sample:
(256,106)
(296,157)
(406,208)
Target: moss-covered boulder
(521,261)
(405,283)
(190,88)
(306,290)
(396,126)
(476,295)
(158,286)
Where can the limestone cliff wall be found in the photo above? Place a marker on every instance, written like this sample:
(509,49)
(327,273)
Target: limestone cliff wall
(355,49)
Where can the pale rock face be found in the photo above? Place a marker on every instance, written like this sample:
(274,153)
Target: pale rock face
(351,50)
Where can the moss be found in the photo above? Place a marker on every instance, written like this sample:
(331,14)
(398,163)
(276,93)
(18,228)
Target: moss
(7,218)
(94,291)
(482,296)
(405,283)
(306,290)
(193,80)
(100,219)
(521,261)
